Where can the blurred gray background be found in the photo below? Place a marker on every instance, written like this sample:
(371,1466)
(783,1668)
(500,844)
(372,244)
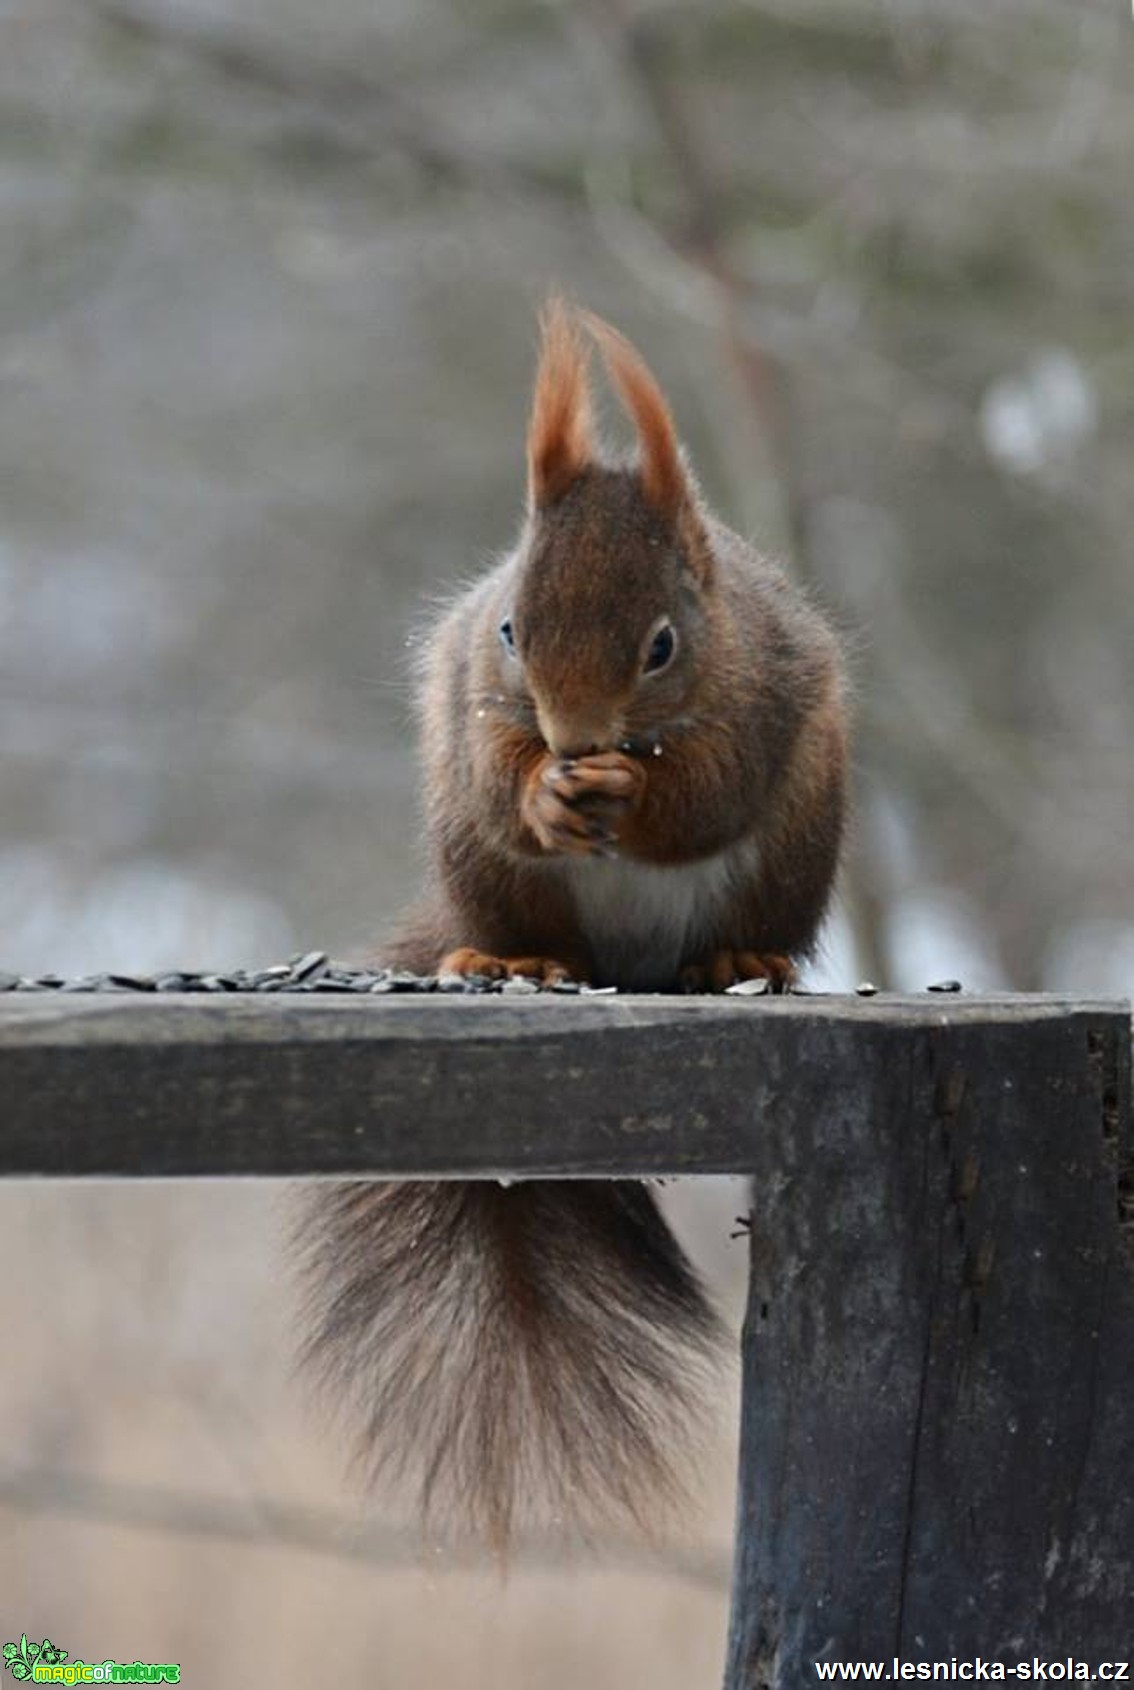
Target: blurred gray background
(268,283)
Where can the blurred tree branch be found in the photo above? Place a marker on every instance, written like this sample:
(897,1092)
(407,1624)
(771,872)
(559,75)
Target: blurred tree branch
(699,274)
(765,382)
(880,215)
(268,1522)
(355,105)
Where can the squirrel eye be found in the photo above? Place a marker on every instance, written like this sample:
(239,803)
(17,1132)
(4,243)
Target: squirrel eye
(661,650)
(507,637)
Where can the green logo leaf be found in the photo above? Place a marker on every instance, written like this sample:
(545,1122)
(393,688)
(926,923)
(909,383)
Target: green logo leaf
(18,1657)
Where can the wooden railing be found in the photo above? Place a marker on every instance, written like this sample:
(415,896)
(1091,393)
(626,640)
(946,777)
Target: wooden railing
(937,1452)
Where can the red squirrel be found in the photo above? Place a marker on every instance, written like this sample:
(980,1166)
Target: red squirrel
(635,744)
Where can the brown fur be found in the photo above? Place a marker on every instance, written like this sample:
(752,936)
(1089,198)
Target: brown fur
(662,476)
(546,1341)
(488,1350)
(559,436)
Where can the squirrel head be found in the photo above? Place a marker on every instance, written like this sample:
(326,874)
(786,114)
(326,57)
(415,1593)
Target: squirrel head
(614,572)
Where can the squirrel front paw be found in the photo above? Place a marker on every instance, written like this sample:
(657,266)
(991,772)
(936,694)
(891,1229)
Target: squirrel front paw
(575,805)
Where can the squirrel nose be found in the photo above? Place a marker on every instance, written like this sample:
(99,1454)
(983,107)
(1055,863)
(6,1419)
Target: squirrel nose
(573,739)
(581,749)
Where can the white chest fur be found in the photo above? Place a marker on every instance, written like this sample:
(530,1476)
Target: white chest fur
(642,922)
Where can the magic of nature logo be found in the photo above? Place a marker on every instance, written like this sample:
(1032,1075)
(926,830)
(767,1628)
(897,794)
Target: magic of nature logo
(46,1663)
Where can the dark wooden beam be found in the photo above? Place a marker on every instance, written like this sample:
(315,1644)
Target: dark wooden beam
(446,1085)
(938,1440)
(937,1452)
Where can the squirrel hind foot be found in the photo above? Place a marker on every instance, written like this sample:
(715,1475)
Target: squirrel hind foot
(468,962)
(726,968)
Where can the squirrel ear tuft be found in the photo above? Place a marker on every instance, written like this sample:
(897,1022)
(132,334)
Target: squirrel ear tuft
(560,438)
(664,481)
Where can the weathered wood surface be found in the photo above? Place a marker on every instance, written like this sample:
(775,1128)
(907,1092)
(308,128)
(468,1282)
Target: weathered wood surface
(436,1084)
(938,1439)
(938,1420)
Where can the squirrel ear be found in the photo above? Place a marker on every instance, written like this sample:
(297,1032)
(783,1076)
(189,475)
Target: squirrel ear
(560,440)
(664,480)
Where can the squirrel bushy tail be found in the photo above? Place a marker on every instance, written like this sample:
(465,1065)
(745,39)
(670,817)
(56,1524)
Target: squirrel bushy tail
(510,1353)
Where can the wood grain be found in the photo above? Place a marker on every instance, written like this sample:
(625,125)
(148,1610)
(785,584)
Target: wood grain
(445,1085)
(938,1443)
(937,1453)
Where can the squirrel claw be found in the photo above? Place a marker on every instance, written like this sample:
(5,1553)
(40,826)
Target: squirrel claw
(606,776)
(574,809)
(466,962)
(725,968)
